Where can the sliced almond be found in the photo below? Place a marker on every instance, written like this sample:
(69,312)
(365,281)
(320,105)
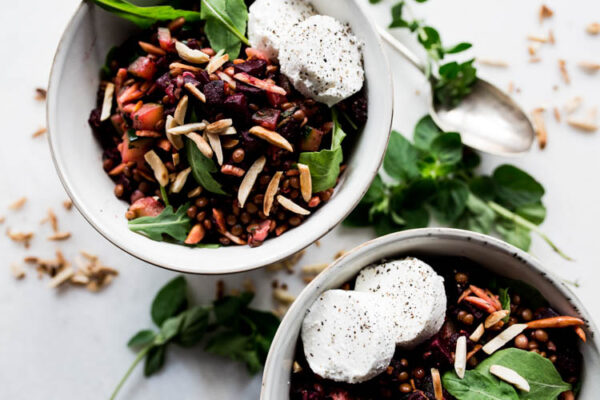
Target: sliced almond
(175,140)
(216,62)
(504,337)
(545,12)
(540,127)
(230,143)
(195,92)
(18,204)
(80,278)
(109,92)
(296,367)
(249,179)
(511,376)
(283,296)
(538,38)
(20,237)
(39,132)
(437,384)
(187,128)
(224,77)
(201,143)
(460,357)
(17,271)
(572,105)
(176,159)
(314,269)
(218,126)
(593,28)
(191,55)
(62,277)
(197,191)
(215,143)
(589,66)
(562,66)
(179,67)
(272,137)
(59,236)
(229,131)
(233,238)
(492,63)
(587,126)
(151,49)
(270,193)
(291,206)
(477,333)
(180,180)
(305,181)
(495,317)
(180,110)
(160,171)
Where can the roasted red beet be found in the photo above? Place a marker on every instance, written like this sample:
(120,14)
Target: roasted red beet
(142,67)
(237,108)
(275,99)
(215,93)
(147,117)
(267,118)
(134,151)
(255,67)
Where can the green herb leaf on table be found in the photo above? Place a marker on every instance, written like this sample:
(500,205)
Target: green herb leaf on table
(142,338)
(515,187)
(544,380)
(426,131)
(450,200)
(202,168)
(400,161)
(154,360)
(225,25)
(174,224)
(145,17)
(477,386)
(194,326)
(169,300)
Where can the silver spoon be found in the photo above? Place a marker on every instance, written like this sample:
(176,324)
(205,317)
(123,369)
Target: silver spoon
(487,119)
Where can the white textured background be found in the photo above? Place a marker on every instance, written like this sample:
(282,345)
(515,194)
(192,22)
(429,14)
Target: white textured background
(71,344)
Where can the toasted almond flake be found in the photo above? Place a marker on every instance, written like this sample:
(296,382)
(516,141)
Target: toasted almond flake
(79,278)
(437,384)
(291,206)
(477,333)
(52,219)
(180,110)
(533,48)
(283,296)
(504,337)
(589,66)
(201,143)
(492,63)
(180,180)
(20,237)
(593,28)
(191,55)
(176,68)
(224,77)
(296,368)
(195,92)
(460,357)
(562,66)
(538,38)
(249,179)
(216,62)
(545,12)
(62,277)
(39,132)
(230,143)
(551,38)
(511,87)
(18,204)
(540,127)
(2,219)
(176,159)
(160,171)
(215,143)
(197,191)
(109,92)
(40,94)
(535,60)
(229,131)
(272,137)
(187,128)
(556,114)
(219,125)
(259,83)
(305,182)
(17,271)
(495,317)
(511,376)
(175,140)
(67,204)
(587,126)
(572,105)
(314,269)
(59,236)
(270,192)
(152,49)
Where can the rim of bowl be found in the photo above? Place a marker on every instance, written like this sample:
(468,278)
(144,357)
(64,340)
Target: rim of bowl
(312,289)
(251,264)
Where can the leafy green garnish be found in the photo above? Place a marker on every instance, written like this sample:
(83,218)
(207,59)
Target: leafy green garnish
(231,14)
(325,164)
(174,224)
(145,17)
(477,386)
(236,331)
(202,168)
(505,302)
(436,176)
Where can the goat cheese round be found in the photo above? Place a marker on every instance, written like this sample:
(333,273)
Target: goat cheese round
(346,336)
(270,20)
(323,59)
(416,294)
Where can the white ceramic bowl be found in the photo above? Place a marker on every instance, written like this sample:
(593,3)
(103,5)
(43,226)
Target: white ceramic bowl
(77,156)
(497,256)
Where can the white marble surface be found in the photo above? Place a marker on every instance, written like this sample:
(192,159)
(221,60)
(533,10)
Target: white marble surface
(71,344)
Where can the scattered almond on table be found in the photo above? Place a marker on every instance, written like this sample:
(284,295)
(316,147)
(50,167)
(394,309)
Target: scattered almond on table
(540,127)
(18,204)
(593,28)
(39,132)
(20,237)
(545,12)
(40,94)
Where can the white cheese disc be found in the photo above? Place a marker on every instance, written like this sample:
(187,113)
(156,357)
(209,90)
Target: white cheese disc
(323,59)
(270,20)
(346,336)
(415,292)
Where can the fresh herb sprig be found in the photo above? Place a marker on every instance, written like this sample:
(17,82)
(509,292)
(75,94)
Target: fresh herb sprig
(229,328)
(453,80)
(436,176)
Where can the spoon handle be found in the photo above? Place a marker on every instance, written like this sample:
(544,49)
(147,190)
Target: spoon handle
(401,48)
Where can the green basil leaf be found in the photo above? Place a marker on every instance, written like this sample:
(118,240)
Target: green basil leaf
(400,160)
(478,386)
(237,347)
(483,187)
(376,191)
(266,323)
(229,308)
(535,212)
(169,329)
(145,17)
(174,224)
(543,378)
(383,225)
(514,234)
(225,25)
(515,187)
(460,47)
(142,338)
(169,301)
(397,19)
(193,328)
(154,360)
(425,133)
(478,216)
(447,148)
(202,168)
(504,301)
(450,200)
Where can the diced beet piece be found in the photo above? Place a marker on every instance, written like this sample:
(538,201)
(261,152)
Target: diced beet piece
(252,145)
(266,117)
(134,151)
(147,117)
(247,89)
(311,139)
(142,67)
(276,99)
(255,67)
(236,106)
(356,108)
(203,77)
(189,77)
(258,235)
(290,131)
(284,82)
(147,207)
(193,43)
(163,81)
(215,92)
(94,119)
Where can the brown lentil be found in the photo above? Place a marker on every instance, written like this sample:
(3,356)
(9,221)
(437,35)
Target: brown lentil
(107,164)
(295,220)
(224,241)
(237,230)
(201,216)
(405,388)
(419,373)
(461,278)
(521,342)
(192,211)
(201,202)
(119,190)
(295,182)
(238,155)
(541,335)
(468,319)
(231,220)
(207,224)
(403,376)
(526,314)
(251,208)
(245,217)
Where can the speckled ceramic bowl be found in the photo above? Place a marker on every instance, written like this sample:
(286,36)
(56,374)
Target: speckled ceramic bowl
(499,257)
